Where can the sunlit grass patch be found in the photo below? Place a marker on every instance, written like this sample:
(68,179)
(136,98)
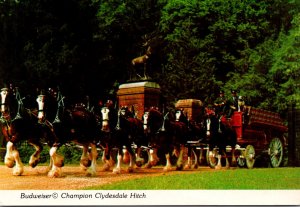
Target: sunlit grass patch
(255,179)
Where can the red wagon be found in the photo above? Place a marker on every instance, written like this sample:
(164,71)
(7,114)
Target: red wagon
(259,132)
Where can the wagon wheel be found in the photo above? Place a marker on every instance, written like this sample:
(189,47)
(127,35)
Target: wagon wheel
(250,156)
(195,161)
(275,152)
(212,160)
(185,154)
(202,158)
(194,157)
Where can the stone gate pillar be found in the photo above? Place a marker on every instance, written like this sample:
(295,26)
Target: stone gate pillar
(140,95)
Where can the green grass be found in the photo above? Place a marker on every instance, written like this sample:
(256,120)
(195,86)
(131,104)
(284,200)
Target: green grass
(240,179)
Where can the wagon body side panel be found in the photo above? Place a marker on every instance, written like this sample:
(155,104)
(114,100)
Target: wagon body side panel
(265,131)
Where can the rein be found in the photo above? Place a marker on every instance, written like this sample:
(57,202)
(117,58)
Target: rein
(60,104)
(20,105)
(46,122)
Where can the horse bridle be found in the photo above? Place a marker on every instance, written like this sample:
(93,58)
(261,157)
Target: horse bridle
(104,110)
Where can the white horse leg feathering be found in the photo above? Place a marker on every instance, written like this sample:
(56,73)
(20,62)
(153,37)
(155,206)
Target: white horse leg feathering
(55,158)
(12,156)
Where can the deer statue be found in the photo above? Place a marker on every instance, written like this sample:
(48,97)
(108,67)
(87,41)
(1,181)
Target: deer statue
(143,59)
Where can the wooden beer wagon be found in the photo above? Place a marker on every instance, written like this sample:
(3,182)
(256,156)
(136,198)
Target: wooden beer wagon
(259,133)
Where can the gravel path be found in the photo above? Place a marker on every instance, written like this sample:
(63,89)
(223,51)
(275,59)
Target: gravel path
(73,178)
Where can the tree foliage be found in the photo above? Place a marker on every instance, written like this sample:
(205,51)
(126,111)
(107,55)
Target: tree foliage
(86,47)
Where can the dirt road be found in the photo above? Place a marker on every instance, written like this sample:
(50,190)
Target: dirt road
(73,178)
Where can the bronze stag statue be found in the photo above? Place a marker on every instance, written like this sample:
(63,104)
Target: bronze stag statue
(141,60)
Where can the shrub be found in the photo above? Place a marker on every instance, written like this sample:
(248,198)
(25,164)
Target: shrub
(71,152)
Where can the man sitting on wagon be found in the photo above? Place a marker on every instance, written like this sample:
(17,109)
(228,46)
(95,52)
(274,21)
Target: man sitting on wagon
(233,103)
(220,104)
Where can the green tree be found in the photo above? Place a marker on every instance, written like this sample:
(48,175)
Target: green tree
(124,26)
(10,40)
(272,80)
(50,43)
(284,72)
(207,43)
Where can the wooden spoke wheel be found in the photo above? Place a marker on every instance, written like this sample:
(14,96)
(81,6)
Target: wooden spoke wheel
(212,160)
(195,160)
(276,152)
(185,154)
(201,159)
(250,156)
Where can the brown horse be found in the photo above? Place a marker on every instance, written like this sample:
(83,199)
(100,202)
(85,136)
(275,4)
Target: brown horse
(195,136)
(121,130)
(220,135)
(74,124)
(168,139)
(24,126)
(152,122)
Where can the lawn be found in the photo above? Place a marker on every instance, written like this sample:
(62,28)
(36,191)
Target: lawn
(240,179)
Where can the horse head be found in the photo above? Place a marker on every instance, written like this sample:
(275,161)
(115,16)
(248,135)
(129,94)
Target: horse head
(105,119)
(145,119)
(181,117)
(48,105)
(210,120)
(11,103)
(4,107)
(152,120)
(41,107)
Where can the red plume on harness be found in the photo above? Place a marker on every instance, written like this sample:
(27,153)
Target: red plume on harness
(210,111)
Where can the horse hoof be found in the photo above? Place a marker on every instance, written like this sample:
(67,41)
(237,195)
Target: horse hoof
(85,162)
(195,166)
(166,169)
(187,167)
(148,165)
(53,174)
(34,160)
(138,163)
(18,172)
(234,163)
(106,167)
(91,174)
(117,171)
(153,163)
(130,170)
(218,167)
(34,163)
(83,168)
(179,167)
